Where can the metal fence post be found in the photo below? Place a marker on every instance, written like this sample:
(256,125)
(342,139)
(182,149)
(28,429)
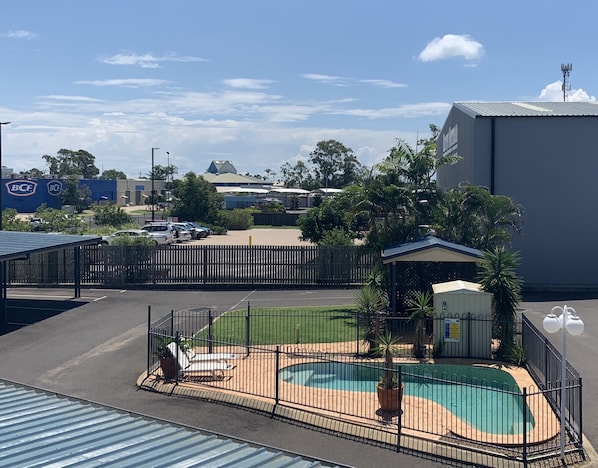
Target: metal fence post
(248,329)
(277,375)
(149,338)
(400,415)
(524,406)
(210,332)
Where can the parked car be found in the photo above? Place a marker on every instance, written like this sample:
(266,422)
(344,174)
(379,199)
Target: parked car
(203,231)
(181,233)
(108,240)
(195,233)
(163,233)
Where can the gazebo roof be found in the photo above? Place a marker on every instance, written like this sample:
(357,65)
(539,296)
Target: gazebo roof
(430,249)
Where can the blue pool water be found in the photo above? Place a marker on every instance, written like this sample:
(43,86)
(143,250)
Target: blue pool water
(486,398)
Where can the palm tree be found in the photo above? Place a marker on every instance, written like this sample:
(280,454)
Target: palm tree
(419,312)
(371,305)
(498,277)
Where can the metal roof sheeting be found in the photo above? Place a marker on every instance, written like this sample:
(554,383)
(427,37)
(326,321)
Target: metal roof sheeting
(14,244)
(409,251)
(529,109)
(45,429)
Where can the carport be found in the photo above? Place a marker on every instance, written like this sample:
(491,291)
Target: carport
(19,245)
(417,265)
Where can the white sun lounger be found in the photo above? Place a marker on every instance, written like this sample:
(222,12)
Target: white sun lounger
(189,369)
(204,357)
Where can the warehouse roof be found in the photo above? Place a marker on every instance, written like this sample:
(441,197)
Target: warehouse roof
(529,109)
(44,429)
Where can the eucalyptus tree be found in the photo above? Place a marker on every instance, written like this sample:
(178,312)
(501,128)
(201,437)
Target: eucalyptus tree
(196,199)
(334,165)
(72,163)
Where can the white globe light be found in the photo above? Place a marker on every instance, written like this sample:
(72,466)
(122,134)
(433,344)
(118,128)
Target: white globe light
(551,323)
(575,325)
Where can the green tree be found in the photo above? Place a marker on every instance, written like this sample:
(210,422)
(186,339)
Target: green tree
(75,194)
(196,199)
(334,165)
(498,277)
(33,173)
(372,307)
(71,163)
(297,176)
(11,221)
(60,221)
(111,215)
(113,174)
(472,216)
(319,221)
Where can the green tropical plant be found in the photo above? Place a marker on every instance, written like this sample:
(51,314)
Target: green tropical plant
(386,347)
(421,309)
(498,277)
(371,307)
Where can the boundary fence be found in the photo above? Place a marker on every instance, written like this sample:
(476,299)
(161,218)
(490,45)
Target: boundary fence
(498,421)
(198,266)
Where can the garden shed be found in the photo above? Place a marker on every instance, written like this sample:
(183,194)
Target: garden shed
(462,320)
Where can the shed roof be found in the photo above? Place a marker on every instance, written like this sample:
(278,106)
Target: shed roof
(529,109)
(15,244)
(430,249)
(44,429)
(458,286)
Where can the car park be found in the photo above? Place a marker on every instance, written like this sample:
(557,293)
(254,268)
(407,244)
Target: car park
(130,233)
(163,233)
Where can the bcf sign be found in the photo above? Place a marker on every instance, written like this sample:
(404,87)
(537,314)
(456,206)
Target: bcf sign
(21,188)
(55,187)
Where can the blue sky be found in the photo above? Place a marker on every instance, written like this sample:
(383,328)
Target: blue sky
(260,82)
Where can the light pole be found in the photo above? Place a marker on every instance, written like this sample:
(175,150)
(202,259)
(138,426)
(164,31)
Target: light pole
(568,322)
(153,200)
(1,184)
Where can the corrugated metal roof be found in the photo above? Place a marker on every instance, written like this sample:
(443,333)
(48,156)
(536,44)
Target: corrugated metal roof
(44,429)
(15,244)
(529,109)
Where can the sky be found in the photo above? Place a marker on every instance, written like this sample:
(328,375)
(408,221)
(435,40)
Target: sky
(261,82)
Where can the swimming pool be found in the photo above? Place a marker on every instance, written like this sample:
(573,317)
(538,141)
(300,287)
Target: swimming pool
(487,399)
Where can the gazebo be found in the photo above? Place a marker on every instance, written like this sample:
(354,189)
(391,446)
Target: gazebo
(417,265)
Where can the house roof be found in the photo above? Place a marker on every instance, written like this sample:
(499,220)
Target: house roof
(430,249)
(15,244)
(228,178)
(529,109)
(43,428)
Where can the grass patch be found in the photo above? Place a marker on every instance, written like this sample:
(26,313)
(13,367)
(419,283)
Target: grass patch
(274,326)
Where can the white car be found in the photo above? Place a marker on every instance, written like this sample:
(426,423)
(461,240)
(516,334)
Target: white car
(108,240)
(163,233)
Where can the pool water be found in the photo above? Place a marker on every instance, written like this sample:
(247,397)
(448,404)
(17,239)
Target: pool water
(488,399)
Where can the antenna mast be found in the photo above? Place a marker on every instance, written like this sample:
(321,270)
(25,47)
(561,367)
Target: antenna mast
(566,69)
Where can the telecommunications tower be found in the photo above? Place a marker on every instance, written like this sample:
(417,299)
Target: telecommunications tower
(566,69)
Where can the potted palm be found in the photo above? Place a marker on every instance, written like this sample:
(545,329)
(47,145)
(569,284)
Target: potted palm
(389,392)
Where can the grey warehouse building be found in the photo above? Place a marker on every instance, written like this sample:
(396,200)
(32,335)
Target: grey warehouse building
(545,156)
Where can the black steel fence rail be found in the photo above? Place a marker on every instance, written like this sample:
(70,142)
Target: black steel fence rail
(197,265)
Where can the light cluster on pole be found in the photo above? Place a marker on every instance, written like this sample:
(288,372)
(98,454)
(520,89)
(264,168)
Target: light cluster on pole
(568,322)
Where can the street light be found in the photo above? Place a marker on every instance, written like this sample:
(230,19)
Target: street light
(153,200)
(568,322)
(1,184)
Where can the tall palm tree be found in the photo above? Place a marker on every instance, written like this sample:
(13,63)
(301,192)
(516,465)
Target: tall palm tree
(498,277)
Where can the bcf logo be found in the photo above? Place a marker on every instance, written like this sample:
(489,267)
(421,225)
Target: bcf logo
(21,188)
(55,187)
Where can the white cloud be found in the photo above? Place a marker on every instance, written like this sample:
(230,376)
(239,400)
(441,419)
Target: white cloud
(19,34)
(147,60)
(554,93)
(451,45)
(406,111)
(384,83)
(125,83)
(326,79)
(247,83)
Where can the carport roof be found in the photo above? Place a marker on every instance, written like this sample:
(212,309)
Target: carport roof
(44,429)
(15,244)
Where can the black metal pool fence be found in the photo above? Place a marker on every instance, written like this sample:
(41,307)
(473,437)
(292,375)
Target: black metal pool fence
(490,423)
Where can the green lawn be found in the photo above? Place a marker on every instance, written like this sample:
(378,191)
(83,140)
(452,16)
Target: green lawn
(286,325)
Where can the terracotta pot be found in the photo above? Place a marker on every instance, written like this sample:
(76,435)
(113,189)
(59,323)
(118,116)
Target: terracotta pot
(390,398)
(168,366)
